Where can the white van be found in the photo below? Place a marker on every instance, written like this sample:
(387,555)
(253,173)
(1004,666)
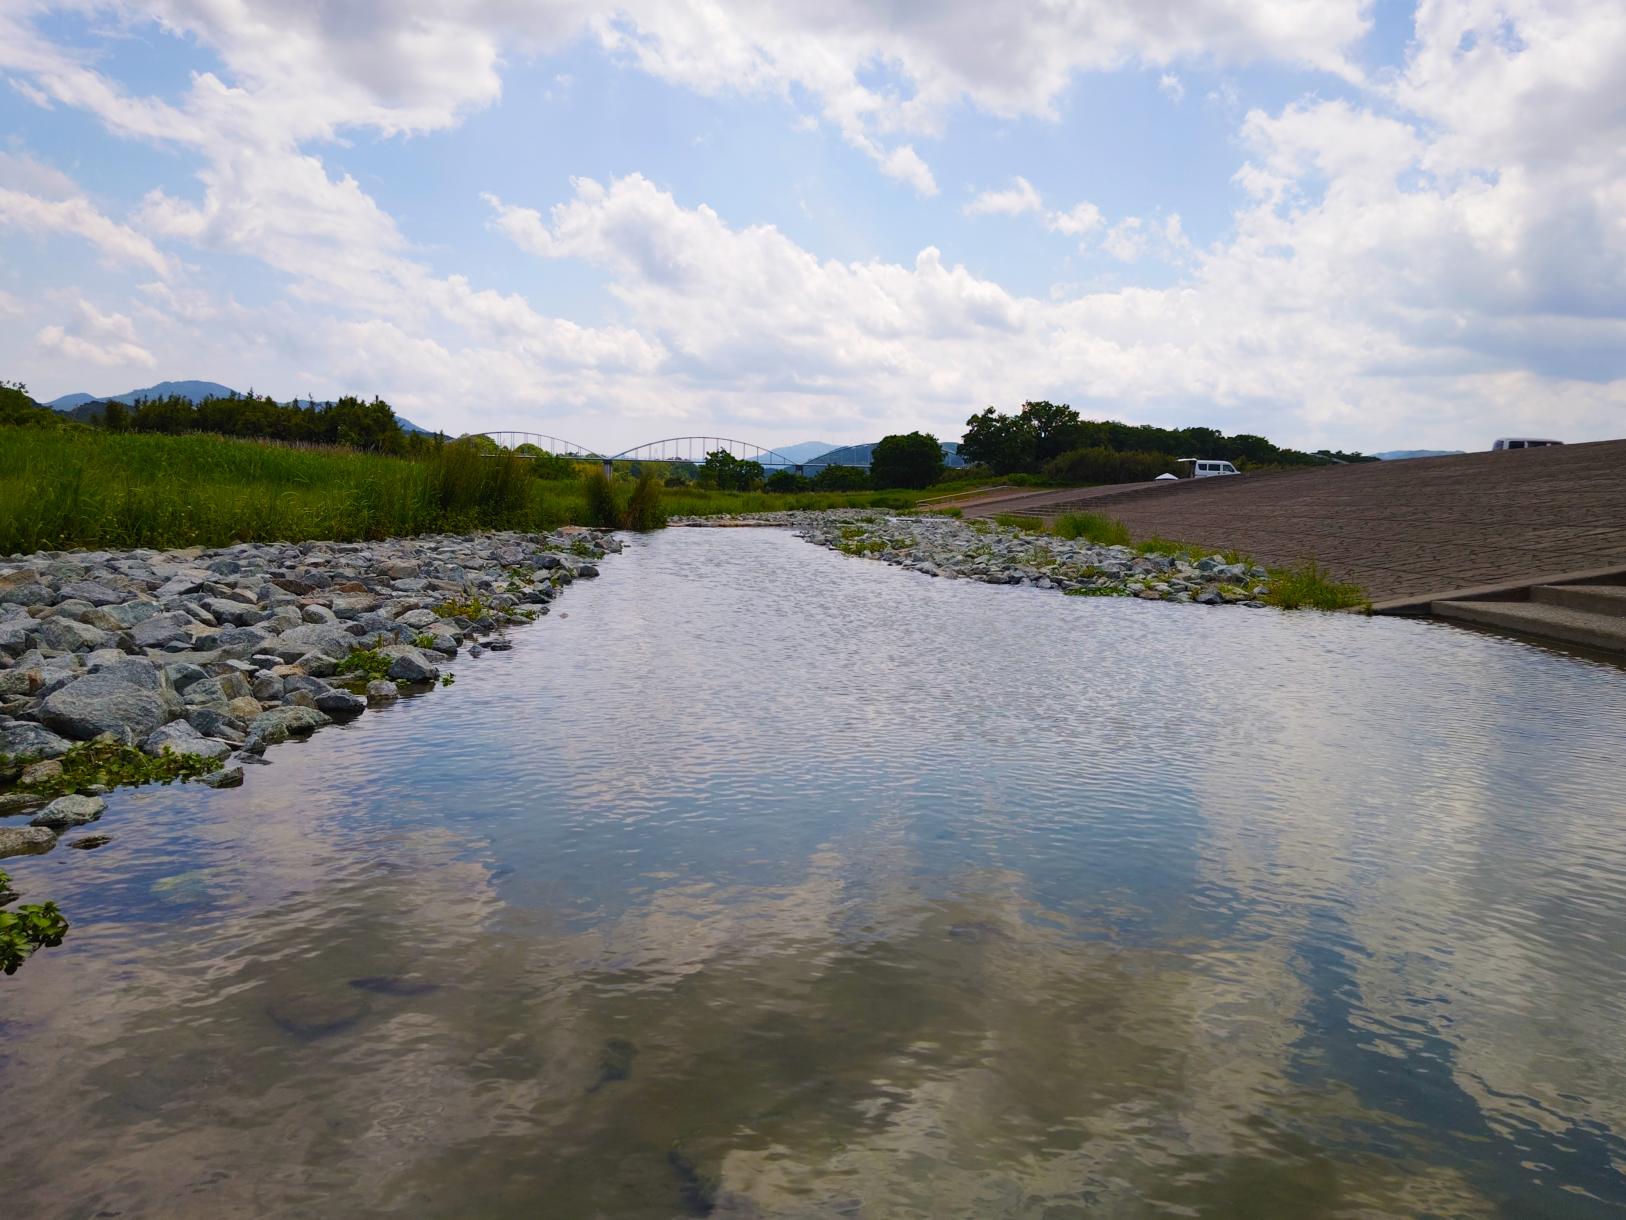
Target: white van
(1206,468)
(1521,442)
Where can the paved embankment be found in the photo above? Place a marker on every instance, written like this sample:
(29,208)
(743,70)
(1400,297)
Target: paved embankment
(1408,532)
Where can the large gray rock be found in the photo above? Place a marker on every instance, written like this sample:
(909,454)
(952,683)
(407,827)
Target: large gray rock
(328,638)
(217,691)
(22,739)
(104,703)
(90,591)
(340,703)
(27,595)
(213,722)
(238,614)
(379,691)
(280,723)
(68,811)
(25,840)
(65,635)
(408,664)
(137,671)
(160,630)
(181,738)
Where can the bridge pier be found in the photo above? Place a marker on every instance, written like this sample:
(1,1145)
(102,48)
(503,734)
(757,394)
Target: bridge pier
(609,468)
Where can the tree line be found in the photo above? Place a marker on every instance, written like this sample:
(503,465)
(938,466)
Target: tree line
(1052,441)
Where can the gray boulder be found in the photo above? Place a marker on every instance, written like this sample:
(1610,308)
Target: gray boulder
(90,591)
(182,738)
(104,703)
(22,739)
(217,691)
(408,664)
(160,630)
(380,691)
(280,723)
(212,722)
(340,703)
(25,840)
(68,811)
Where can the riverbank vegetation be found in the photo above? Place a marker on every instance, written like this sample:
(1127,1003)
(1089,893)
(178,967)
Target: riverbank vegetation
(72,486)
(1052,442)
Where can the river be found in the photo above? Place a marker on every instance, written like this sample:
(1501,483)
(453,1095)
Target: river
(758,880)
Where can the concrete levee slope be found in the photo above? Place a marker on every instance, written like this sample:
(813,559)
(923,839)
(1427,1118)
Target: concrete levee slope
(1405,531)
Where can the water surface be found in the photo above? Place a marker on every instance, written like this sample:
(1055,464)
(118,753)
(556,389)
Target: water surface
(762,881)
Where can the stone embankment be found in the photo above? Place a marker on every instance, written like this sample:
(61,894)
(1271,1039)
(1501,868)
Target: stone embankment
(210,656)
(998,555)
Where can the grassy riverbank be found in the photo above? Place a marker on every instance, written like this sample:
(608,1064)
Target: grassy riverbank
(69,488)
(1308,586)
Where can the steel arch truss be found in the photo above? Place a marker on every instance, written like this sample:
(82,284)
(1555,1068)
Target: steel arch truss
(695,448)
(548,444)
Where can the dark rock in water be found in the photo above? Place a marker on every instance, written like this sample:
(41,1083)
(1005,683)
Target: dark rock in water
(91,841)
(614,1063)
(697,1192)
(227,777)
(399,985)
(499,645)
(309,1015)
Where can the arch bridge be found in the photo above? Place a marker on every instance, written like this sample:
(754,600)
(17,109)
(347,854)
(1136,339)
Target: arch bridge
(671,449)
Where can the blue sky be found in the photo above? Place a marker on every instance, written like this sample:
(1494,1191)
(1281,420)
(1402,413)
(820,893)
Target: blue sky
(1335,222)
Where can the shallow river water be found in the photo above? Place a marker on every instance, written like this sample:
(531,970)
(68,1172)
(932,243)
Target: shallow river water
(762,881)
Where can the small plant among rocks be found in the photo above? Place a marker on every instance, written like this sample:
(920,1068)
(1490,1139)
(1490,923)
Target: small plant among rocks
(471,607)
(583,550)
(365,663)
(111,764)
(447,679)
(424,640)
(36,926)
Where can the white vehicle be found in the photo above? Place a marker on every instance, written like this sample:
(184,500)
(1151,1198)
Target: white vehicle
(1521,442)
(1204,468)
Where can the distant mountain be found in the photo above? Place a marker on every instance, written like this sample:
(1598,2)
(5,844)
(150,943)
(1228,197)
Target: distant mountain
(860,455)
(1395,455)
(803,450)
(79,405)
(197,391)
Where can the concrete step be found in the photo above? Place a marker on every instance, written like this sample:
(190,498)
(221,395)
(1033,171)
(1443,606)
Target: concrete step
(1605,631)
(1598,599)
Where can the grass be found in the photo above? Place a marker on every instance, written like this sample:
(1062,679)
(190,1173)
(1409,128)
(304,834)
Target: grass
(1309,587)
(1093,527)
(1014,521)
(81,487)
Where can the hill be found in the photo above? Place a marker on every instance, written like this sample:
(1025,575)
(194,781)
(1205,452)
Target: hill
(859,455)
(82,406)
(802,450)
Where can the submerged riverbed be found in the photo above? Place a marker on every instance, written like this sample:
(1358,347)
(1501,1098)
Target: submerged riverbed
(763,881)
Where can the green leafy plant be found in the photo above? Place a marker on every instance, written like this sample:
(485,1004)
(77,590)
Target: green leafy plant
(424,640)
(7,894)
(447,679)
(1014,521)
(29,928)
(472,606)
(583,550)
(365,663)
(112,764)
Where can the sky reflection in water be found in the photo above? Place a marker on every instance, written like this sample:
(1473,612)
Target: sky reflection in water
(768,882)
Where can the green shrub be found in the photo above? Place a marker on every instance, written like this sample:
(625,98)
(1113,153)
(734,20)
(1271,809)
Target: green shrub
(1100,464)
(1014,521)
(1093,527)
(645,508)
(1310,587)
(603,508)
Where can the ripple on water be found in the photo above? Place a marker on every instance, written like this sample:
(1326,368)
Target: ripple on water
(773,882)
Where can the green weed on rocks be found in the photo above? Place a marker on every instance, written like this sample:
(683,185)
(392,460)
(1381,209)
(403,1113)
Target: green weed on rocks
(111,764)
(365,663)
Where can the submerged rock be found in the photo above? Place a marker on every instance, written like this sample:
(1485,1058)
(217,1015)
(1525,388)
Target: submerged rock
(25,840)
(91,842)
(311,1014)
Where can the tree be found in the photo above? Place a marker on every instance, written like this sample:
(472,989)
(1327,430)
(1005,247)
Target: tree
(788,481)
(911,459)
(725,472)
(841,478)
(1003,443)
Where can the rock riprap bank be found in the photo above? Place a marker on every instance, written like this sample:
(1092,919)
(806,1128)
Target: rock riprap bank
(199,658)
(984,551)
